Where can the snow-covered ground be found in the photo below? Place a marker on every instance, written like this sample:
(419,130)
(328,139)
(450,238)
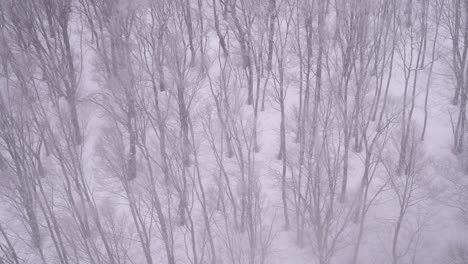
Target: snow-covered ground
(210,183)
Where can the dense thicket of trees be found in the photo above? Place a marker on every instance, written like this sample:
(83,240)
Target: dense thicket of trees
(215,131)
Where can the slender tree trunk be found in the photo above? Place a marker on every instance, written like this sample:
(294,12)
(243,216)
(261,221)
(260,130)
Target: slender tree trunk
(429,78)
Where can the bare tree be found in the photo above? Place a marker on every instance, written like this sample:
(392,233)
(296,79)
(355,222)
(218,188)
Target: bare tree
(438,9)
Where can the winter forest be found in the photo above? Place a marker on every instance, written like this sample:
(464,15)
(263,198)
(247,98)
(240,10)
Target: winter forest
(233,131)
